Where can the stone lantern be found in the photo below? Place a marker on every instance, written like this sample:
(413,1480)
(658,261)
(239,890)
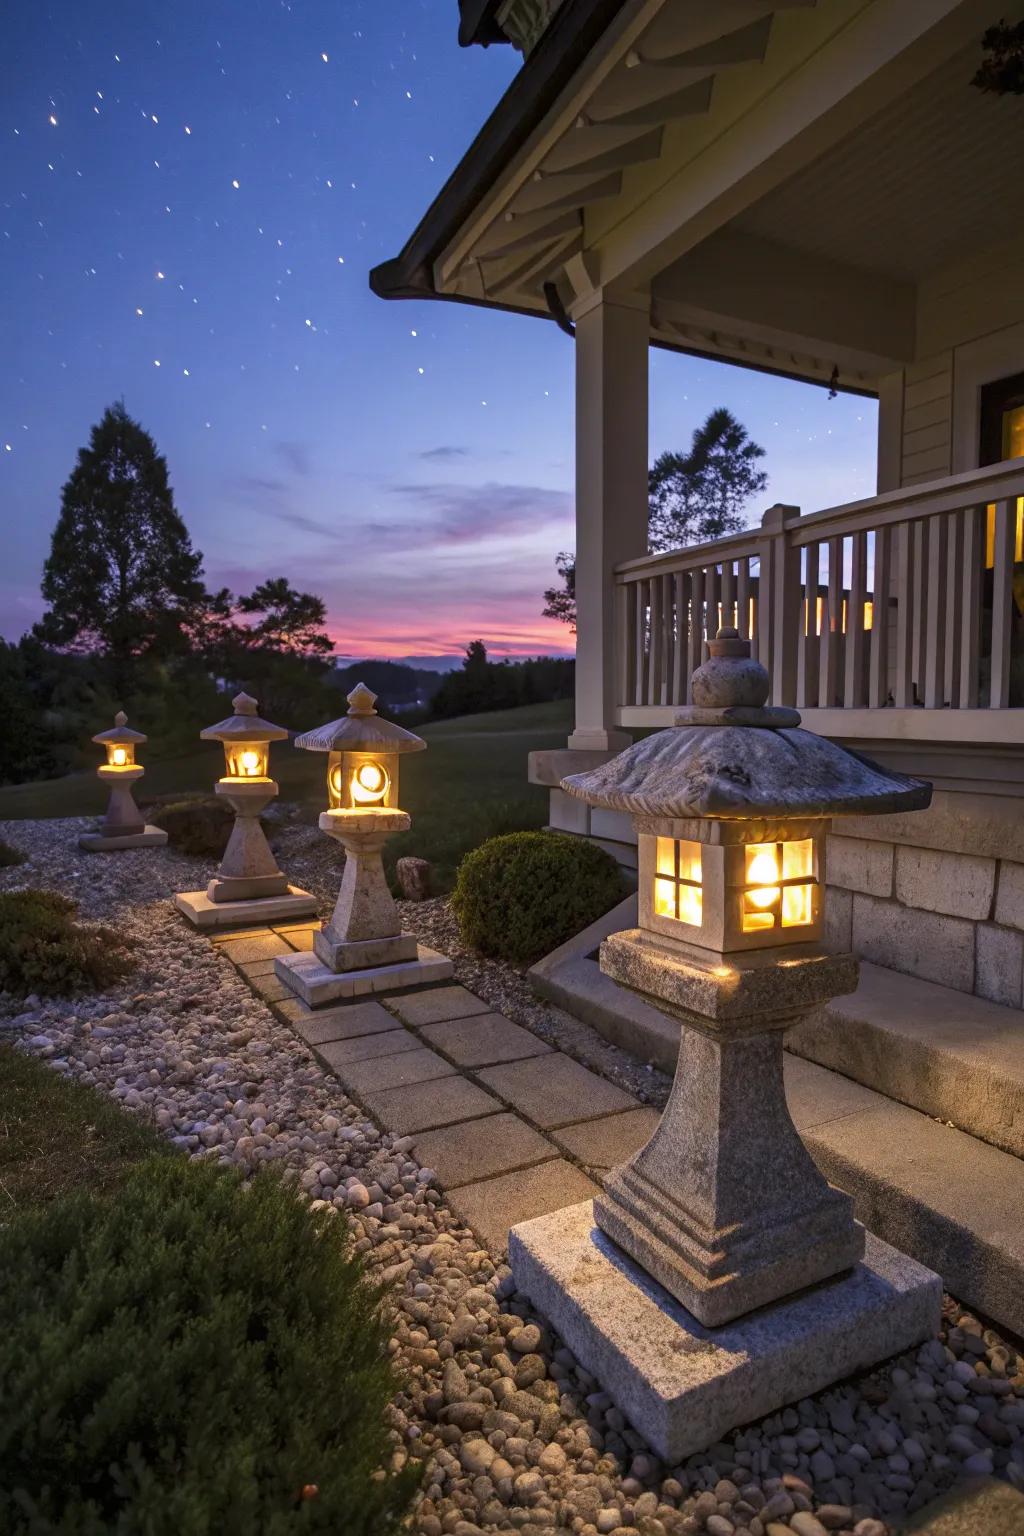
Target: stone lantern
(362,949)
(718,1274)
(248,885)
(123,826)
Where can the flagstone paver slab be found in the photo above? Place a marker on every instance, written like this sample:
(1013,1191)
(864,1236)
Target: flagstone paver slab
(390,1042)
(491,1206)
(426,1106)
(478,1149)
(483,1040)
(258,947)
(378,1072)
(269,988)
(437,1004)
(555,1090)
(610,1141)
(229,936)
(298,938)
(251,968)
(344,1023)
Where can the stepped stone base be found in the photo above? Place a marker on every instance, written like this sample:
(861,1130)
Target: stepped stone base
(98,842)
(307,976)
(206,914)
(684,1386)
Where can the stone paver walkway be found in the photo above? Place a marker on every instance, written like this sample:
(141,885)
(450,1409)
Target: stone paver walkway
(511,1127)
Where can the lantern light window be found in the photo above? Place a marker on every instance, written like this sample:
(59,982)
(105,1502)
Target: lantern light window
(677,880)
(779,885)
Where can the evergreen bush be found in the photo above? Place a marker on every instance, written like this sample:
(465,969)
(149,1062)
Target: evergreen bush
(199,827)
(43,949)
(192,1357)
(519,896)
(9,855)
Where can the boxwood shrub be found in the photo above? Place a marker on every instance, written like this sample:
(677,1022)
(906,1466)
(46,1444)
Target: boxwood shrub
(192,1357)
(43,949)
(199,827)
(9,855)
(519,896)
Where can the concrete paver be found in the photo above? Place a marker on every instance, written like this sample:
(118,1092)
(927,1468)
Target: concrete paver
(258,947)
(378,1072)
(427,1106)
(269,988)
(389,1042)
(229,935)
(491,1206)
(431,1007)
(298,938)
(250,968)
(555,1090)
(462,1154)
(347,1023)
(608,1142)
(483,1040)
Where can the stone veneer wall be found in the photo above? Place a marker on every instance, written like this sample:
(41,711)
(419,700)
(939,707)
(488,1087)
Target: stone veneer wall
(952,913)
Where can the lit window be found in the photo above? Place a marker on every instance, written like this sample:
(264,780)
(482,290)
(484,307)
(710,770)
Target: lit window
(778,886)
(677,881)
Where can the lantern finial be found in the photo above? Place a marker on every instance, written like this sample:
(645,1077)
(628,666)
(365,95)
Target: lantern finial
(730,678)
(120,718)
(243,704)
(361,700)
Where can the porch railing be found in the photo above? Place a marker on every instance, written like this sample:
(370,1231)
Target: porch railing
(890,611)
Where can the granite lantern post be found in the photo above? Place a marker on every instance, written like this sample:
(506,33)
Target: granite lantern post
(362,949)
(248,885)
(718,1274)
(124,825)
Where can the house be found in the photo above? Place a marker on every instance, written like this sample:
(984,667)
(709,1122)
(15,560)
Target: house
(818,189)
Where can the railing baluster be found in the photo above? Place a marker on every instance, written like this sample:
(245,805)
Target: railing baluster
(878,680)
(695,635)
(807,635)
(855,634)
(918,638)
(831,629)
(656,646)
(680,582)
(711,624)
(639,684)
(955,585)
(1002,603)
(728,595)
(970,614)
(627,640)
(905,588)
(935,614)
(743,598)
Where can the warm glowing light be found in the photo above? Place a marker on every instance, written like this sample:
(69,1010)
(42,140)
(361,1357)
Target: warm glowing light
(762,872)
(369,783)
(250,763)
(797,906)
(119,757)
(677,882)
(772,895)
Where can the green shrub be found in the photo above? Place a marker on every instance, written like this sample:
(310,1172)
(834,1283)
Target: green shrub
(192,1357)
(9,855)
(43,949)
(518,897)
(200,828)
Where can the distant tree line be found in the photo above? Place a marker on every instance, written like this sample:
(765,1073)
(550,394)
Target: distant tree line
(131,624)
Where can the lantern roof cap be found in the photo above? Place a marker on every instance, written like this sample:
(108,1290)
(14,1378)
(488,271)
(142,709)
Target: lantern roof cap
(244,725)
(120,733)
(361,730)
(730,755)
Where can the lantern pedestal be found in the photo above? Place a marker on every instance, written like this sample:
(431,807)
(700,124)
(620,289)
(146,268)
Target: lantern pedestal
(248,886)
(124,825)
(683,1386)
(362,949)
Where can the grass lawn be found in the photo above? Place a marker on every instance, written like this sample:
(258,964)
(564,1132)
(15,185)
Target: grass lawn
(57,1136)
(469,785)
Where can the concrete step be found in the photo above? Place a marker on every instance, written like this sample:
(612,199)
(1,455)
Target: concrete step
(955,1057)
(946,1198)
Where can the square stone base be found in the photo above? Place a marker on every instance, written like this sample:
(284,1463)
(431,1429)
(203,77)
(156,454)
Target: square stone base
(204,913)
(310,979)
(98,842)
(684,1386)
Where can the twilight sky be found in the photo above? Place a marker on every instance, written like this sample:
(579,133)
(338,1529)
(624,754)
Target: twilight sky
(191,197)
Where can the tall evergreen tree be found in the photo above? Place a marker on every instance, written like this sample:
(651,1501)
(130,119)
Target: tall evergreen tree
(701,494)
(122,578)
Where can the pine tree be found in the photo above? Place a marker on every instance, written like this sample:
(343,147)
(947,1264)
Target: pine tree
(701,494)
(122,578)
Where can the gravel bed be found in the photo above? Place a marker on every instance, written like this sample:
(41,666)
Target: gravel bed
(514,1434)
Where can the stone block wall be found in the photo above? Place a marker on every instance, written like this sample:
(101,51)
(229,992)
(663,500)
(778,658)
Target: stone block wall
(948,915)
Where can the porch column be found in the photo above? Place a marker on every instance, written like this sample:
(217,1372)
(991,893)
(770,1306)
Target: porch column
(611,496)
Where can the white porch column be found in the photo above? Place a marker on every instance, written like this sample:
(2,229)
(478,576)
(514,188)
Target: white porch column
(611,496)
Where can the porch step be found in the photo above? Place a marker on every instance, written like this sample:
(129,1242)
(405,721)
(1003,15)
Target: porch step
(944,1197)
(952,1056)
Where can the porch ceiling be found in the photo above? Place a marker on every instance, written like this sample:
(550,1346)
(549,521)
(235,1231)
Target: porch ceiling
(930,177)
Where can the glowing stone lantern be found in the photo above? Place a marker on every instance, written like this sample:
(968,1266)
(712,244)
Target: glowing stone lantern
(724,1207)
(123,826)
(362,949)
(248,884)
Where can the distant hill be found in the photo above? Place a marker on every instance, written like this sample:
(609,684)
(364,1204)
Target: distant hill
(398,687)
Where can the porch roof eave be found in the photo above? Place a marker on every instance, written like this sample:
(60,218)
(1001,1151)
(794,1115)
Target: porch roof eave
(575,28)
